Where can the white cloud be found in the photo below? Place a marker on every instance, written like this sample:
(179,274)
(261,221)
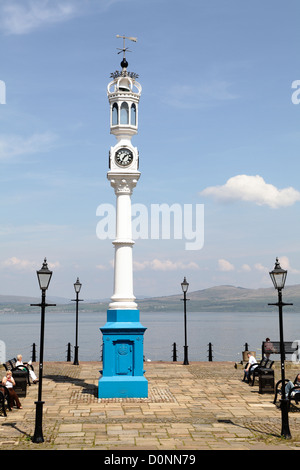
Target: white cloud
(54,265)
(14,145)
(262,268)
(199,95)
(137,266)
(24,264)
(102,267)
(155,265)
(285,264)
(253,189)
(165,265)
(17,263)
(225,265)
(22,17)
(246,268)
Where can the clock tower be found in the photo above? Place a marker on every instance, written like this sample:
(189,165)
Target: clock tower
(123,374)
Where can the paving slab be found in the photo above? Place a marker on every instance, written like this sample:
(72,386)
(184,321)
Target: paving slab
(195,407)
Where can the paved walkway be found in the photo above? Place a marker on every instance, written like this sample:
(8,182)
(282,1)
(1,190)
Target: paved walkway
(195,407)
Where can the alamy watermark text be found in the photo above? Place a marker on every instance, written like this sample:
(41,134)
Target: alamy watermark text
(2,92)
(296,93)
(160,221)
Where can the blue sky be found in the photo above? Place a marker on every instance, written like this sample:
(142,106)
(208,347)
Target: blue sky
(217,126)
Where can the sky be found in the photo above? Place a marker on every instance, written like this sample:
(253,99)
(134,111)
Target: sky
(219,132)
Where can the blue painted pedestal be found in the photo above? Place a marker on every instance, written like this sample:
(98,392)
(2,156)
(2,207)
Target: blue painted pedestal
(123,356)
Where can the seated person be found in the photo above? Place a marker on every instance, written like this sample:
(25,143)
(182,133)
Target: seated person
(9,383)
(290,385)
(31,372)
(269,348)
(251,362)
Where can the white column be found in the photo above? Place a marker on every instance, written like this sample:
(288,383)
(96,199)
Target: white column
(123,297)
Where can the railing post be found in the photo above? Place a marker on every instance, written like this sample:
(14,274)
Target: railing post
(210,356)
(33,354)
(174,353)
(69,353)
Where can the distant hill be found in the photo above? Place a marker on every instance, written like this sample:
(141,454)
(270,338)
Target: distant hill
(225,299)
(21,304)
(17,299)
(213,299)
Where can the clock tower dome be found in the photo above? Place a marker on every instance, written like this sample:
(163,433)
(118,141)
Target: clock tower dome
(123,95)
(123,374)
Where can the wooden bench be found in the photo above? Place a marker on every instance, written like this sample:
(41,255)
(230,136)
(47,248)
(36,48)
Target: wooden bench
(260,369)
(291,396)
(273,347)
(20,375)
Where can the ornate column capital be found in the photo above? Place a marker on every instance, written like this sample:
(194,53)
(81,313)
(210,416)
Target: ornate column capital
(123,183)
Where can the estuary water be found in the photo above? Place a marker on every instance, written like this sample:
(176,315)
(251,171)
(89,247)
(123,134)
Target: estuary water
(228,333)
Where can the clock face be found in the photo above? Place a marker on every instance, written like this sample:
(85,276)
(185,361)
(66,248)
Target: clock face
(123,157)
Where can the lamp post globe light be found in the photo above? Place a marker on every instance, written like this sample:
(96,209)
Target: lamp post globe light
(185,286)
(77,287)
(278,276)
(44,276)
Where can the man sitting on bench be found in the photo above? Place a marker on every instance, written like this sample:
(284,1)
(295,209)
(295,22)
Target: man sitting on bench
(290,385)
(31,372)
(251,362)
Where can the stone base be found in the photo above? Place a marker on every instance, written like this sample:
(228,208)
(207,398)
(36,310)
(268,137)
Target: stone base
(123,387)
(123,364)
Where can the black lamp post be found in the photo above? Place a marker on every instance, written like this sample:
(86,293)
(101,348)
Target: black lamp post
(77,287)
(185,286)
(278,276)
(44,277)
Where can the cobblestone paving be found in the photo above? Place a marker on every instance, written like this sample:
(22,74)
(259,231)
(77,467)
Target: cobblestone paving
(200,406)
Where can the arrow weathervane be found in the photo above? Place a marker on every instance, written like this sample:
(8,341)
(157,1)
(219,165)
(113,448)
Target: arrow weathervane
(124,47)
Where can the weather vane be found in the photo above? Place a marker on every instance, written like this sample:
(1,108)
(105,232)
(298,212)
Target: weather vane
(124,62)
(125,48)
